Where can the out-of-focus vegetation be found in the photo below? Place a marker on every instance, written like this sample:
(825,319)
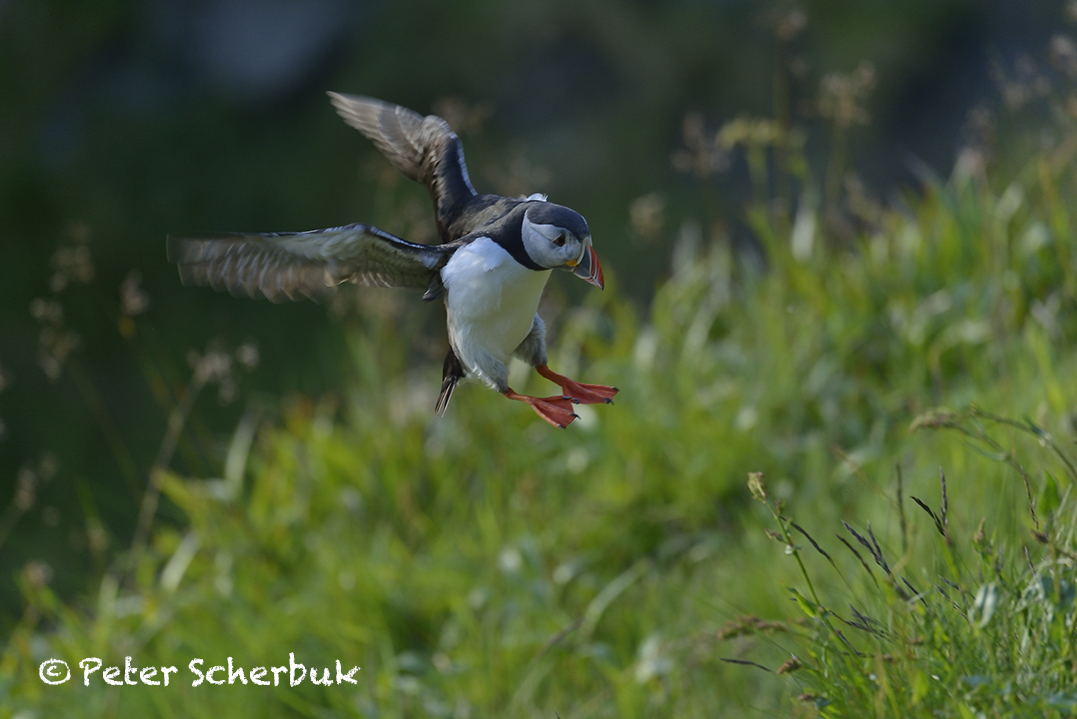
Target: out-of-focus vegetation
(485,564)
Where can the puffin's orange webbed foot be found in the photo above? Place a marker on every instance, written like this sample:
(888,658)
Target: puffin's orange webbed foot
(555,410)
(581,393)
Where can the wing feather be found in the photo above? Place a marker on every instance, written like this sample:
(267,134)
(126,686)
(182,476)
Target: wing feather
(425,149)
(310,264)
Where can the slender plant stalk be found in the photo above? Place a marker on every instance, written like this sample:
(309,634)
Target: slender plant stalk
(177,418)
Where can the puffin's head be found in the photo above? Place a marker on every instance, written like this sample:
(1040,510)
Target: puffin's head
(556,237)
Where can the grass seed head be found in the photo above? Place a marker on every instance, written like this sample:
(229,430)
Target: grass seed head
(757,486)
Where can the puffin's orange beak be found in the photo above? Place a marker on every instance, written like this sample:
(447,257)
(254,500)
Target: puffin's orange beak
(588,269)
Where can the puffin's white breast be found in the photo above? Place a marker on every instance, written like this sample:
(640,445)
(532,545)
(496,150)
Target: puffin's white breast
(491,300)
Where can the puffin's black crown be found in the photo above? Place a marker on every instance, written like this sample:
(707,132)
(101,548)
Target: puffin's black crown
(547,213)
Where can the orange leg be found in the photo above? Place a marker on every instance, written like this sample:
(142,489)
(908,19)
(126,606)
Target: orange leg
(555,410)
(581,393)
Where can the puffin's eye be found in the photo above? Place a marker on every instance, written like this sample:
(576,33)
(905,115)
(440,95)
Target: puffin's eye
(560,241)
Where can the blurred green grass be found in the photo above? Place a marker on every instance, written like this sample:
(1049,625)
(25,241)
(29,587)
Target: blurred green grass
(487,565)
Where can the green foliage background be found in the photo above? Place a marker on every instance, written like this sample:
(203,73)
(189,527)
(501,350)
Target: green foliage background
(487,565)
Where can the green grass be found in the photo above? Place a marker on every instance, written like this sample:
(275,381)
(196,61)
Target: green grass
(487,565)
(972,628)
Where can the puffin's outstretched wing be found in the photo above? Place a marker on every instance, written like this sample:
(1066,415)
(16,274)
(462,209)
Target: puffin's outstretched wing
(425,149)
(290,265)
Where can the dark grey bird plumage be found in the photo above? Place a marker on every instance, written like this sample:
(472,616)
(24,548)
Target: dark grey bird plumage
(424,149)
(292,265)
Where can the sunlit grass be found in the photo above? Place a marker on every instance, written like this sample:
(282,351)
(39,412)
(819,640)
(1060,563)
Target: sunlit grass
(970,626)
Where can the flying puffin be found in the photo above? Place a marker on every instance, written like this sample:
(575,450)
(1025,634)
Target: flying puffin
(491,265)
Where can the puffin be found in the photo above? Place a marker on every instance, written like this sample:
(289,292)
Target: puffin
(490,266)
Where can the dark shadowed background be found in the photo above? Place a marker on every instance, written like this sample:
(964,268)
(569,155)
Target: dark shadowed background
(122,122)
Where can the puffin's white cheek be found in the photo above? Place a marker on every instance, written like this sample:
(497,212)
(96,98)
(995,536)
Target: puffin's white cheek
(547,255)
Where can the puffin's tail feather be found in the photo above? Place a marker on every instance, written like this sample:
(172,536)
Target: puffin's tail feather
(447,386)
(452,373)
